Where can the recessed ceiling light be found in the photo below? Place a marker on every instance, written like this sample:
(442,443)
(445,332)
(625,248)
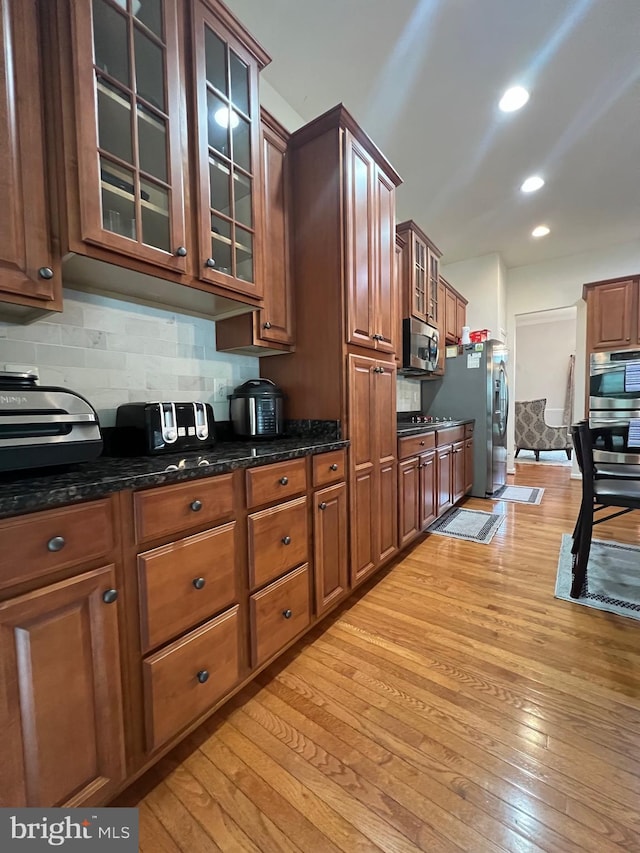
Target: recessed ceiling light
(532,184)
(540,231)
(513,99)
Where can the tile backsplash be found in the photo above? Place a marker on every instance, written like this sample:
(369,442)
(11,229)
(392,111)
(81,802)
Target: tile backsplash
(115,352)
(407,395)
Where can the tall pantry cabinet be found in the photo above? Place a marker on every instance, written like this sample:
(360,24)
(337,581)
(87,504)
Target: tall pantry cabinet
(347,317)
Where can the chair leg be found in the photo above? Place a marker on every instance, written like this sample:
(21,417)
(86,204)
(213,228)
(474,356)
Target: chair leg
(581,560)
(517,451)
(537,452)
(576,532)
(568,449)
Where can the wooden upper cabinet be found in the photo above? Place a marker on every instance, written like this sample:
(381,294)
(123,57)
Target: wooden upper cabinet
(129,107)
(442,298)
(450,314)
(613,320)
(370,241)
(421,270)
(29,271)
(61,705)
(227,118)
(455,313)
(271,328)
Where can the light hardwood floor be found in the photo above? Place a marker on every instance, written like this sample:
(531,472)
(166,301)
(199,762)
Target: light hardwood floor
(455,705)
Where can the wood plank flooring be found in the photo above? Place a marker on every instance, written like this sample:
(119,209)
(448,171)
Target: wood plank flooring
(454,705)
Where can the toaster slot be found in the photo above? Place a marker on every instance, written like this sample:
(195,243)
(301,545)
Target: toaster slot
(200,421)
(169,422)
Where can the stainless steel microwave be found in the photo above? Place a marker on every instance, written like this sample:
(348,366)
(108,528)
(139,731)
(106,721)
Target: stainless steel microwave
(420,343)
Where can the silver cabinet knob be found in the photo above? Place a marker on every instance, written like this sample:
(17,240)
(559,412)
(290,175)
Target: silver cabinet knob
(195,506)
(266,325)
(181,252)
(210,263)
(110,596)
(284,481)
(45,272)
(57,543)
(287,613)
(286,540)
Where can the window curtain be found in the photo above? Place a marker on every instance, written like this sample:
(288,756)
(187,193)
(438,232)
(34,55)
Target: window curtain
(567,416)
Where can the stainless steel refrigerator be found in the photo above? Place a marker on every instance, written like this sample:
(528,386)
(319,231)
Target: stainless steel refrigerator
(475,386)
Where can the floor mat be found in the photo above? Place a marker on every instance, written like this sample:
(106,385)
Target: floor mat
(519,494)
(613,577)
(470,524)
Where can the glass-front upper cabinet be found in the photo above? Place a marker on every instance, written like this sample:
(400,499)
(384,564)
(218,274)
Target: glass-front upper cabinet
(227,62)
(433,308)
(129,120)
(419,276)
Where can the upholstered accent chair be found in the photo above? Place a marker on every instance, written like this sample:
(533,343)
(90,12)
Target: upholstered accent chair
(533,433)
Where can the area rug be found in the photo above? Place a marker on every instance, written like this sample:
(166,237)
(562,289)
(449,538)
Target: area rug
(613,577)
(519,494)
(470,524)
(547,457)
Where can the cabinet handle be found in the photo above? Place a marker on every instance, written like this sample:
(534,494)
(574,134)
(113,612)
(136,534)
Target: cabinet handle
(287,614)
(210,263)
(57,543)
(203,676)
(284,481)
(181,252)
(110,596)
(322,505)
(266,325)
(195,506)
(45,272)
(422,444)
(333,467)
(198,583)
(286,540)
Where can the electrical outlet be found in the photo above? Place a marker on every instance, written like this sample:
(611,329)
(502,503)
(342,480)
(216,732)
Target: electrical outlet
(220,390)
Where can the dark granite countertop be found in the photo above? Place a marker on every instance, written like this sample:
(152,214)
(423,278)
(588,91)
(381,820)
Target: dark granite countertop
(405,429)
(34,490)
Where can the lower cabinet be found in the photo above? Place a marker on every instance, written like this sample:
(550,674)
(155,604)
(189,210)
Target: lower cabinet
(468,464)
(444,468)
(330,546)
(409,499)
(279,613)
(457,471)
(185,679)
(428,489)
(61,722)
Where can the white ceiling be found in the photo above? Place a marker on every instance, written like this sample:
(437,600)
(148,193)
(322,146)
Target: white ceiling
(423,78)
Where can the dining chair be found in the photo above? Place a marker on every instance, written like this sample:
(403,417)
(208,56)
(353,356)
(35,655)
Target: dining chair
(598,493)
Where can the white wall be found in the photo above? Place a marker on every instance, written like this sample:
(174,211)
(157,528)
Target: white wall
(115,352)
(481,281)
(544,344)
(280,109)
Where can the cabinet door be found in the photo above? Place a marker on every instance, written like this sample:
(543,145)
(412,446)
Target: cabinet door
(29,275)
(450,315)
(461,315)
(360,219)
(433,281)
(428,493)
(129,114)
(275,319)
(439,371)
(610,315)
(468,465)
(457,472)
(330,568)
(444,473)
(387,300)
(60,701)
(419,277)
(408,500)
(228,158)
(363,467)
(386,444)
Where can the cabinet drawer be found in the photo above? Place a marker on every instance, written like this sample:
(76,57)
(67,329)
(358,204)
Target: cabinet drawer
(329,468)
(276,482)
(42,542)
(278,614)
(413,445)
(172,509)
(185,679)
(449,435)
(278,541)
(186,582)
